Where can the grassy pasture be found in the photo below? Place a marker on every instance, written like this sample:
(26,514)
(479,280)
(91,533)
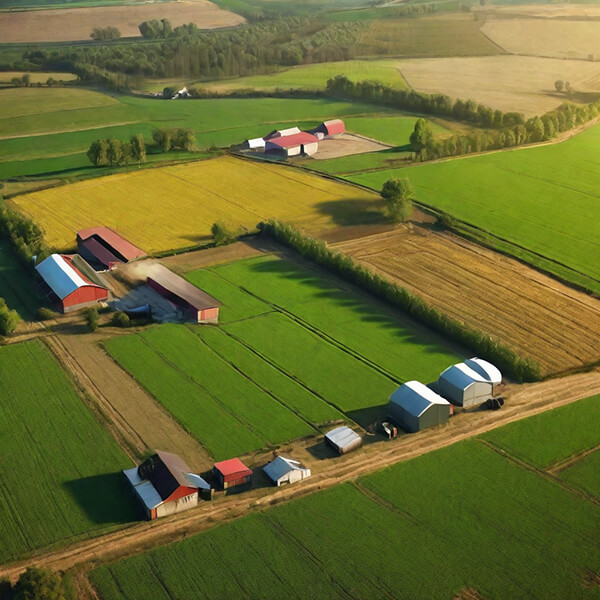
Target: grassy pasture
(543,199)
(36,138)
(390,130)
(520,536)
(16,284)
(60,470)
(566,431)
(176,206)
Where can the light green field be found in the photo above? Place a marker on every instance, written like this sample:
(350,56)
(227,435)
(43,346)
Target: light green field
(311,77)
(567,431)
(544,199)
(519,535)
(45,130)
(390,130)
(60,470)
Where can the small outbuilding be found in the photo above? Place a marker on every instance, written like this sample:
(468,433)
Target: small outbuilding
(231,473)
(286,470)
(103,248)
(331,128)
(66,286)
(302,143)
(195,304)
(255,144)
(414,407)
(469,383)
(164,485)
(343,439)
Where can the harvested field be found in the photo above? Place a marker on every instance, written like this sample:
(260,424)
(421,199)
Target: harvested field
(510,83)
(6,76)
(535,315)
(175,207)
(73,24)
(546,37)
(347,145)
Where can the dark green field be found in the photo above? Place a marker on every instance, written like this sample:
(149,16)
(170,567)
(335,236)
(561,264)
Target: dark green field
(16,284)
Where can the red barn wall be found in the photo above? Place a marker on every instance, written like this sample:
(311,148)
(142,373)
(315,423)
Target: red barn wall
(82,296)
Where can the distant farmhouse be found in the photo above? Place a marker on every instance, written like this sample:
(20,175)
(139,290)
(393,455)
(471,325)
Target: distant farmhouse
(196,305)
(164,485)
(69,283)
(103,248)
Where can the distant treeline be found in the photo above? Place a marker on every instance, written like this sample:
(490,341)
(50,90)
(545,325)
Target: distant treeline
(189,52)
(503,130)
(398,297)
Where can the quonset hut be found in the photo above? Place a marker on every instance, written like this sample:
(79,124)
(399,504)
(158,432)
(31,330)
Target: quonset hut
(343,439)
(285,470)
(66,287)
(415,407)
(164,485)
(102,248)
(196,305)
(469,383)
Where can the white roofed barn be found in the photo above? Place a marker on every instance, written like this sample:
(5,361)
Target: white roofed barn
(415,407)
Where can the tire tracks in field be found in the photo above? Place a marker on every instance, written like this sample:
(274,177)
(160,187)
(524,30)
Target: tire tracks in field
(525,401)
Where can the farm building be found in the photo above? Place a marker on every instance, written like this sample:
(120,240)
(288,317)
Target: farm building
(195,304)
(278,133)
(293,145)
(66,286)
(343,439)
(469,383)
(330,128)
(255,144)
(165,486)
(415,407)
(286,470)
(103,248)
(231,473)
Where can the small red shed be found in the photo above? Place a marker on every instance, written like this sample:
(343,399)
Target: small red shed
(332,127)
(66,286)
(231,473)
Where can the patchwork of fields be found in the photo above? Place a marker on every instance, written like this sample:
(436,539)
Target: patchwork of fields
(544,200)
(521,534)
(175,207)
(292,353)
(533,314)
(60,474)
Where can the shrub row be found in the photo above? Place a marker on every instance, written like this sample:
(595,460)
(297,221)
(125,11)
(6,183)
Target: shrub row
(342,265)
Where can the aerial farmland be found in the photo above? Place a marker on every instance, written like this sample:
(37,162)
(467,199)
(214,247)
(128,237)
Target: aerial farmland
(299,300)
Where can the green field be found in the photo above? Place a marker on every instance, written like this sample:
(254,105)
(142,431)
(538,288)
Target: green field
(16,284)
(60,473)
(461,520)
(585,474)
(310,77)
(49,130)
(542,199)
(568,431)
(266,372)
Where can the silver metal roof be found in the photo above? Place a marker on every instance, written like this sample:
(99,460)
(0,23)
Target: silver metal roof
(485,369)
(281,466)
(256,143)
(197,481)
(342,436)
(415,398)
(144,489)
(61,278)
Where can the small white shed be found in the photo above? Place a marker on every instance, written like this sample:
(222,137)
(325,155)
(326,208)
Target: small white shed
(286,470)
(343,439)
(469,383)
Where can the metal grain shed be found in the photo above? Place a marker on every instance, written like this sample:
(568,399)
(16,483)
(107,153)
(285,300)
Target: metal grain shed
(415,407)
(469,383)
(343,439)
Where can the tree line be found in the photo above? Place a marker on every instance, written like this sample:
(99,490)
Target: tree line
(401,298)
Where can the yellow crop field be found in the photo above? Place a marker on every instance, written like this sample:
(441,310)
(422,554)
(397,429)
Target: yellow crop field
(174,207)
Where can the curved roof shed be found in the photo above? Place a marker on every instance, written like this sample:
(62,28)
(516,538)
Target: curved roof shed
(414,407)
(469,383)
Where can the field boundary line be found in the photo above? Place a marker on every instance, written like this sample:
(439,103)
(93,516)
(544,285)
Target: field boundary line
(540,472)
(563,465)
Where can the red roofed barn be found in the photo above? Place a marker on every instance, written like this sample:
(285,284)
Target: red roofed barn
(231,473)
(66,286)
(293,145)
(102,247)
(332,127)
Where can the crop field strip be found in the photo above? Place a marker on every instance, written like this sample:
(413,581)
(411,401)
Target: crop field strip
(481,190)
(537,316)
(176,206)
(60,474)
(521,535)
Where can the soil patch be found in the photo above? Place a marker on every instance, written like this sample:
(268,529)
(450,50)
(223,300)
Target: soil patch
(346,145)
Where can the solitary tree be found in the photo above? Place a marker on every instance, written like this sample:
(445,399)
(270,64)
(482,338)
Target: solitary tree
(222,234)
(39,584)
(559,84)
(421,135)
(398,195)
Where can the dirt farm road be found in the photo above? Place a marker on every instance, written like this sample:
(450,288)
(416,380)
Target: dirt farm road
(523,401)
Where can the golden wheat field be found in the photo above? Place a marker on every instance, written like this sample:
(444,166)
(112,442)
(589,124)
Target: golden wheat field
(175,207)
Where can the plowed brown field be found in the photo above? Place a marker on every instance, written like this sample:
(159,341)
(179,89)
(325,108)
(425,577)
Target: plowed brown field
(535,315)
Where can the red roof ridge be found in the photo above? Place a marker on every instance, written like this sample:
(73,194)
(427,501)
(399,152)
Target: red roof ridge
(294,140)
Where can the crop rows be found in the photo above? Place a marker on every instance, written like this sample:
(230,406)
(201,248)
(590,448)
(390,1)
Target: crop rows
(60,470)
